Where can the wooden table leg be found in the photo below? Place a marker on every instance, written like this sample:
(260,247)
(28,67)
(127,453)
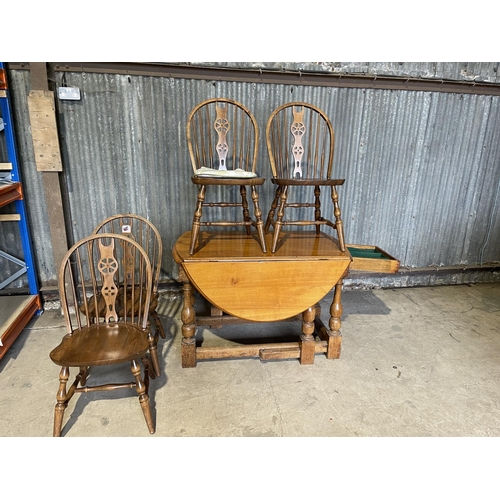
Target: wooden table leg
(334,335)
(307,342)
(188,315)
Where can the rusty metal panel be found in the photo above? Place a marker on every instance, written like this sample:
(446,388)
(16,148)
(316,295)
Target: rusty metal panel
(422,168)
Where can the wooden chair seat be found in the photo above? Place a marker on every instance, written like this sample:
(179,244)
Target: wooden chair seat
(101,344)
(217,181)
(308,182)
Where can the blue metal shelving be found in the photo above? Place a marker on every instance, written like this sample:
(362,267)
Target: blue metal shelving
(17,310)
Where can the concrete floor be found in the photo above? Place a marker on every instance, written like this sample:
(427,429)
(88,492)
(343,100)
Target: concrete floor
(414,362)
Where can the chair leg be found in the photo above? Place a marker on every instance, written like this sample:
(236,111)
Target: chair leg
(258,219)
(158,325)
(141,389)
(84,373)
(279,219)
(244,204)
(195,228)
(153,351)
(62,402)
(338,221)
(274,204)
(148,370)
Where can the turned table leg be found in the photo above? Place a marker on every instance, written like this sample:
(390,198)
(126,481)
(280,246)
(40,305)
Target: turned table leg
(307,342)
(188,345)
(334,335)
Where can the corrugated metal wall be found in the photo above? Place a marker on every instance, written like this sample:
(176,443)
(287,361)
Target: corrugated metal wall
(422,169)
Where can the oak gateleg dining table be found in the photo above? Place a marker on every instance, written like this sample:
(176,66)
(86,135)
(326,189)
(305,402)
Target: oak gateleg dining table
(244,284)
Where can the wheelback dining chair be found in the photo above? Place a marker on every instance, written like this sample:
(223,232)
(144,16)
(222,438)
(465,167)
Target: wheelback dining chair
(222,136)
(300,142)
(147,235)
(90,275)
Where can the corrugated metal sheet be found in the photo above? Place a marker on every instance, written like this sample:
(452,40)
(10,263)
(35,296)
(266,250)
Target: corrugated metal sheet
(422,169)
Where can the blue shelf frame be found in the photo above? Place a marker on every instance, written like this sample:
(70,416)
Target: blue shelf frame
(16,177)
(32,306)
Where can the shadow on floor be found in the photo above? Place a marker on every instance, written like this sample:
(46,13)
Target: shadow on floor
(360,302)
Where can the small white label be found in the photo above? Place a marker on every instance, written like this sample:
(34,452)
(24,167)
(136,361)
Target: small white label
(68,93)
(126,229)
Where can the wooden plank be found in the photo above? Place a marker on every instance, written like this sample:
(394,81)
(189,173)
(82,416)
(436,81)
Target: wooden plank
(282,353)
(51,185)
(9,217)
(290,352)
(242,351)
(44,131)
(5,166)
(16,312)
(284,350)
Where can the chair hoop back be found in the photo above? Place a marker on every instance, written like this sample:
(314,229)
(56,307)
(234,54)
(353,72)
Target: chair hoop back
(106,278)
(222,134)
(300,142)
(142,231)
